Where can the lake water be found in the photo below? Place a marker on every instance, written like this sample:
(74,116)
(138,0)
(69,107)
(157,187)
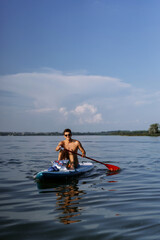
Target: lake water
(123,206)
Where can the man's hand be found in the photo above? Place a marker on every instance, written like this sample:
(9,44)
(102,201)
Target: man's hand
(58,148)
(83,154)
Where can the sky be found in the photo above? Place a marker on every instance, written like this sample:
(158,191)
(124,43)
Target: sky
(88,65)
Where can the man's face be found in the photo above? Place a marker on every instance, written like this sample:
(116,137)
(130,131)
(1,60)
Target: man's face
(67,135)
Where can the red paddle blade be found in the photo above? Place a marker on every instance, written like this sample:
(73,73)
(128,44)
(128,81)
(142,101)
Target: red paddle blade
(112,168)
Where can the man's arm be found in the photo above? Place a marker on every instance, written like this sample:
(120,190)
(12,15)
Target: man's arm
(60,144)
(81,149)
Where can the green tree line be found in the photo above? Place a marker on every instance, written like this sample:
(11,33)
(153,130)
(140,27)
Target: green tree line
(154,130)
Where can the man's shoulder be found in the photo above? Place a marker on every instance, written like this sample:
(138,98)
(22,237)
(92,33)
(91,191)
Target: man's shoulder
(74,140)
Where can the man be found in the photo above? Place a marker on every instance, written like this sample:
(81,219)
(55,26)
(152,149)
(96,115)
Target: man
(72,145)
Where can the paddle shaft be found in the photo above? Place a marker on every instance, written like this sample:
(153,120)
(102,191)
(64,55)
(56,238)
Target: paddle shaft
(109,166)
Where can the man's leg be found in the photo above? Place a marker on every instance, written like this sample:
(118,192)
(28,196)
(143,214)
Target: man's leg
(63,155)
(73,160)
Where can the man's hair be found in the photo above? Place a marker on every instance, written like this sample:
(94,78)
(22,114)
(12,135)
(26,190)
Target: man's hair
(67,130)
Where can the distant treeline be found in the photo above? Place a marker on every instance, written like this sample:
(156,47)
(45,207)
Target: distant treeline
(103,133)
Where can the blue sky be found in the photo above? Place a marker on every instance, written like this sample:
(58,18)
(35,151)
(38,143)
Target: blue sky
(90,65)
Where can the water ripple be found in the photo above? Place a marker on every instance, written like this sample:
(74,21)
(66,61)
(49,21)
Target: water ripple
(98,205)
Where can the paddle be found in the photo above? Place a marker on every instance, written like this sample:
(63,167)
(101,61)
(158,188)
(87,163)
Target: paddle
(109,166)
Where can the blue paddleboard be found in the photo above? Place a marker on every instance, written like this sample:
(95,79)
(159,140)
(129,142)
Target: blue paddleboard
(59,171)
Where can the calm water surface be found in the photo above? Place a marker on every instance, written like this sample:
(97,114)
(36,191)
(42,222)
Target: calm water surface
(122,206)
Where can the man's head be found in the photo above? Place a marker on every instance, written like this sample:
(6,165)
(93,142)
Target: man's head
(67,132)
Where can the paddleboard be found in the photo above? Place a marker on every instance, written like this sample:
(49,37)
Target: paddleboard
(58,171)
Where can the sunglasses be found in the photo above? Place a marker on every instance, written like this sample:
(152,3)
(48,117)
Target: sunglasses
(67,135)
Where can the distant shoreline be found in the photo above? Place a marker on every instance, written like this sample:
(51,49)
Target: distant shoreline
(103,133)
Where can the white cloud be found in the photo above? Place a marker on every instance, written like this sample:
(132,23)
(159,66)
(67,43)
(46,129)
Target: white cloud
(84,108)
(79,98)
(97,118)
(51,90)
(85,113)
(63,111)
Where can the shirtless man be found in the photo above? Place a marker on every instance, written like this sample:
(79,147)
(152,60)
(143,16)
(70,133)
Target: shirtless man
(72,145)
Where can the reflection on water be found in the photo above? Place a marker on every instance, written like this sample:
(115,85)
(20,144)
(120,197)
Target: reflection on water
(109,173)
(68,198)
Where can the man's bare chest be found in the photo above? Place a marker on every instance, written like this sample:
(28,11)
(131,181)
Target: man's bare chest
(70,146)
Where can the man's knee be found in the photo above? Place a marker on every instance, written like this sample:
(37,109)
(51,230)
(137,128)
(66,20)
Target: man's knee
(63,155)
